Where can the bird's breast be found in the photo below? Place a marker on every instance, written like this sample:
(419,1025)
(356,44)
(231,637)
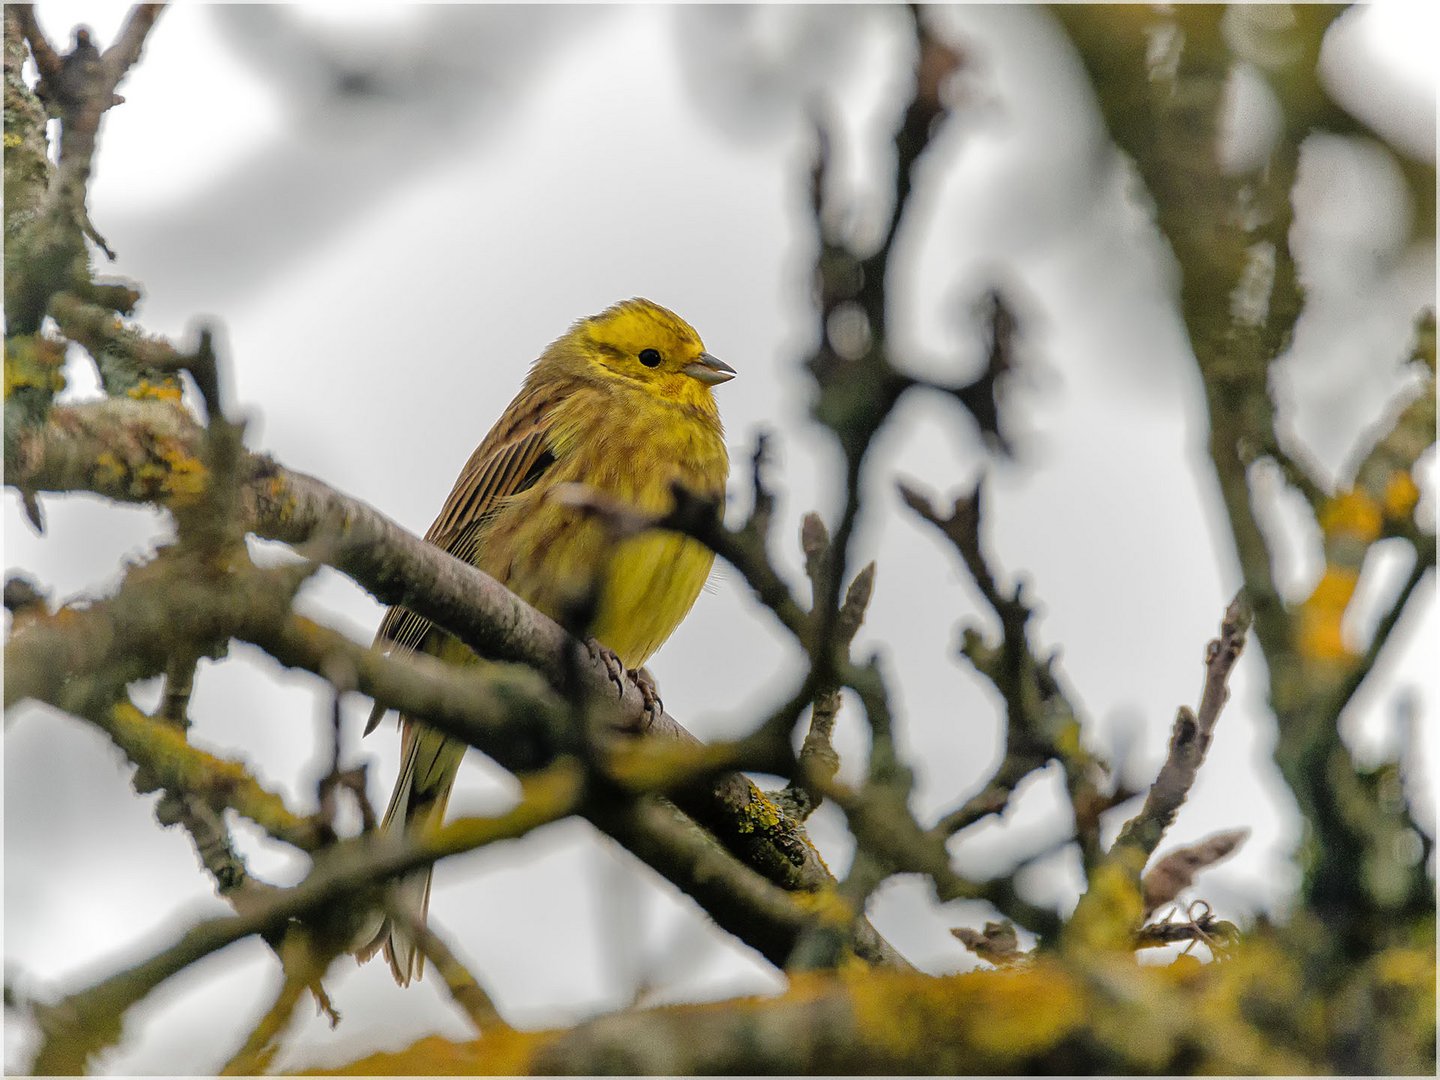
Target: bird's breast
(549,554)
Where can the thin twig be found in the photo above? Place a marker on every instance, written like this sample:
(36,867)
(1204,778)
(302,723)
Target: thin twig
(1176,870)
(1190,738)
(462,986)
(817,762)
(1356,676)
(302,967)
(1042,723)
(1202,926)
(87,1021)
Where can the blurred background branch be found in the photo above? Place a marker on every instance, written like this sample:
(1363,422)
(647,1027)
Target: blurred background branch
(1241,297)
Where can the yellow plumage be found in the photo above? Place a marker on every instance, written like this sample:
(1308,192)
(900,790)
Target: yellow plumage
(622,403)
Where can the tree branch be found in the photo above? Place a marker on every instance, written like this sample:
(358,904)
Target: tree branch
(1190,738)
(84,1023)
(1111,908)
(1042,724)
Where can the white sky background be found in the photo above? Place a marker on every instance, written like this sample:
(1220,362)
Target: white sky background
(385,267)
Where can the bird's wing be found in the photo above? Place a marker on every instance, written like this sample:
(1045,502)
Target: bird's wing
(512,458)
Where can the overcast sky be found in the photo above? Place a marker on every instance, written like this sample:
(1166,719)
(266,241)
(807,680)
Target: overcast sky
(384,265)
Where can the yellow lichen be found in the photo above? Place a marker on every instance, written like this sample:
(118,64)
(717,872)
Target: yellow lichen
(168,390)
(1067,739)
(1401,495)
(1111,909)
(1320,636)
(109,470)
(1404,982)
(759,815)
(1406,968)
(34,362)
(1352,514)
(1256,978)
(650,764)
(282,499)
(186,478)
(1334,589)
(12,140)
(163,749)
(990,1020)
(827,904)
(504,1052)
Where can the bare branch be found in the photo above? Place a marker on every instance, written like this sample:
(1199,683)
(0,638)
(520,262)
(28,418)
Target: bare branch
(1190,738)
(1197,924)
(121,56)
(1042,722)
(997,943)
(178,766)
(1176,870)
(47,60)
(462,986)
(817,762)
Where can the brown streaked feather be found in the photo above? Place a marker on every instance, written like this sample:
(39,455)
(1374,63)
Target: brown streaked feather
(514,467)
(512,458)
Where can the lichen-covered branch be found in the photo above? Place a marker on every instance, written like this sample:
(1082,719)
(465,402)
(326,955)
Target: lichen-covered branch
(1111,909)
(1160,76)
(340,889)
(1039,1016)
(499,708)
(1347,985)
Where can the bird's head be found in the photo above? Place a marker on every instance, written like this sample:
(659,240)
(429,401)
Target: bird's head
(646,344)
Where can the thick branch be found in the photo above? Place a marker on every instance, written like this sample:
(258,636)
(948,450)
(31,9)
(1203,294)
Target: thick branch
(143,451)
(1039,1017)
(149,452)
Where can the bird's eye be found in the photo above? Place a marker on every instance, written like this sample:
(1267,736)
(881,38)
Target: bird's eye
(650,357)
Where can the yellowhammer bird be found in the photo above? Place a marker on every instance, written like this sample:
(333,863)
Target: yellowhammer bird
(622,404)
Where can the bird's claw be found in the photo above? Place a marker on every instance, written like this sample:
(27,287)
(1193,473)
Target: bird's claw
(645,682)
(650,692)
(613,667)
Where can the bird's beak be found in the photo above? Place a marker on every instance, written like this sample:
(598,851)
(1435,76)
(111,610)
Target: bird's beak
(709,370)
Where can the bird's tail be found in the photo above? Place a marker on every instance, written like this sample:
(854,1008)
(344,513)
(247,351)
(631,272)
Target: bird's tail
(417,805)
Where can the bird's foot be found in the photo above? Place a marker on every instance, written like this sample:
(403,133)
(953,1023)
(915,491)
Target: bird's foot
(650,691)
(613,667)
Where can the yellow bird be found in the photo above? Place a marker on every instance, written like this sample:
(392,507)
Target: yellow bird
(622,403)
